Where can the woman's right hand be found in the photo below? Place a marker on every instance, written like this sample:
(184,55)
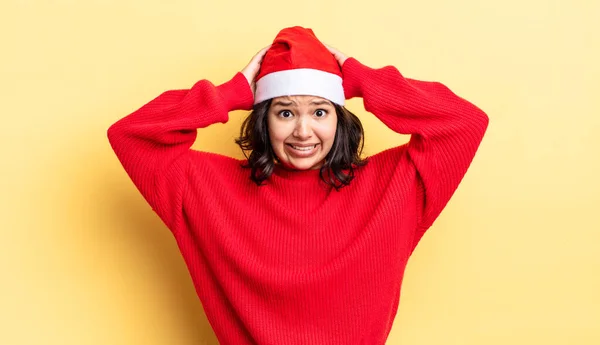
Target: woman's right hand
(253,67)
(339,56)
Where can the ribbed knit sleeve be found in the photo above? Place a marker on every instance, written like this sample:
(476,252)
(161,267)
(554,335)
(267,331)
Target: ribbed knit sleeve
(445,130)
(153,143)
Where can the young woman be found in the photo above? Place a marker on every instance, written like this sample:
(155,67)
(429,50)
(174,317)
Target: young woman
(303,242)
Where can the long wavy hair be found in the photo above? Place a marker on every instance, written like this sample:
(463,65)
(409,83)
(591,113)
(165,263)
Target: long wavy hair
(340,163)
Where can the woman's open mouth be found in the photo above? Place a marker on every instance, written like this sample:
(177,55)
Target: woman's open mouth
(302,151)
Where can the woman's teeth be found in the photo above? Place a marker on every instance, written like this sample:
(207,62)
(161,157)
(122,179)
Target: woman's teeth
(307,148)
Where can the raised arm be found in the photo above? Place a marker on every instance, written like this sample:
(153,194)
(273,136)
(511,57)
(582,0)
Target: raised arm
(445,130)
(153,143)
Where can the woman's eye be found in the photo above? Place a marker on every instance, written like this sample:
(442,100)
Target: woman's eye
(321,113)
(285,113)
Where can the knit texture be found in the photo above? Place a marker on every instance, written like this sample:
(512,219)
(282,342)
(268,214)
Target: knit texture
(295,261)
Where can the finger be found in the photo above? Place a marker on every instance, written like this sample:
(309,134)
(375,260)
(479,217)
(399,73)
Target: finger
(266,48)
(331,49)
(261,54)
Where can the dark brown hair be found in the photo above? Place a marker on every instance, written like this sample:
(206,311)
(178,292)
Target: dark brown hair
(340,162)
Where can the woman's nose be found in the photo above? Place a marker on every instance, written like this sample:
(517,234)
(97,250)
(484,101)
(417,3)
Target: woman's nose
(302,130)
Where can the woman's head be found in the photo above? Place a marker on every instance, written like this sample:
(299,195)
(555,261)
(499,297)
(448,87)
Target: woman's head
(300,133)
(299,120)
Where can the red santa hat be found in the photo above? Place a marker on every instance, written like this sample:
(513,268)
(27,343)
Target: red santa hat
(299,64)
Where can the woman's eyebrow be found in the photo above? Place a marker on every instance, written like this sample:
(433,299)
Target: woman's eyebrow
(282,103)
(321,102)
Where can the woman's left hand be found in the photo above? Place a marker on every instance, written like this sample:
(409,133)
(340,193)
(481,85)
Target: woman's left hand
(339,56)
(251,71)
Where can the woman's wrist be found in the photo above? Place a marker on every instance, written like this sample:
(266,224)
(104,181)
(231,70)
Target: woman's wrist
(237,93)
(354,73)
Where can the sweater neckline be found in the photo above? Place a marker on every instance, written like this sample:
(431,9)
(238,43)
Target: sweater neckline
(300,192)
(297,175)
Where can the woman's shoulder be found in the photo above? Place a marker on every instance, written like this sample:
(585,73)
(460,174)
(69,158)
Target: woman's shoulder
(218,173)
(388,158)
(378,175)
(385,165)
(215,163)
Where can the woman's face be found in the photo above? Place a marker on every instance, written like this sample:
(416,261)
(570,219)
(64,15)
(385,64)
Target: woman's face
(302,130)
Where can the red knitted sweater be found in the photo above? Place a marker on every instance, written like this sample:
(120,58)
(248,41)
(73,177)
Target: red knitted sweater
(294,261)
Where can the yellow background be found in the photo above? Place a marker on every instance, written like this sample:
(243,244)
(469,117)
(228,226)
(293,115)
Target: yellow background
(514,258)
